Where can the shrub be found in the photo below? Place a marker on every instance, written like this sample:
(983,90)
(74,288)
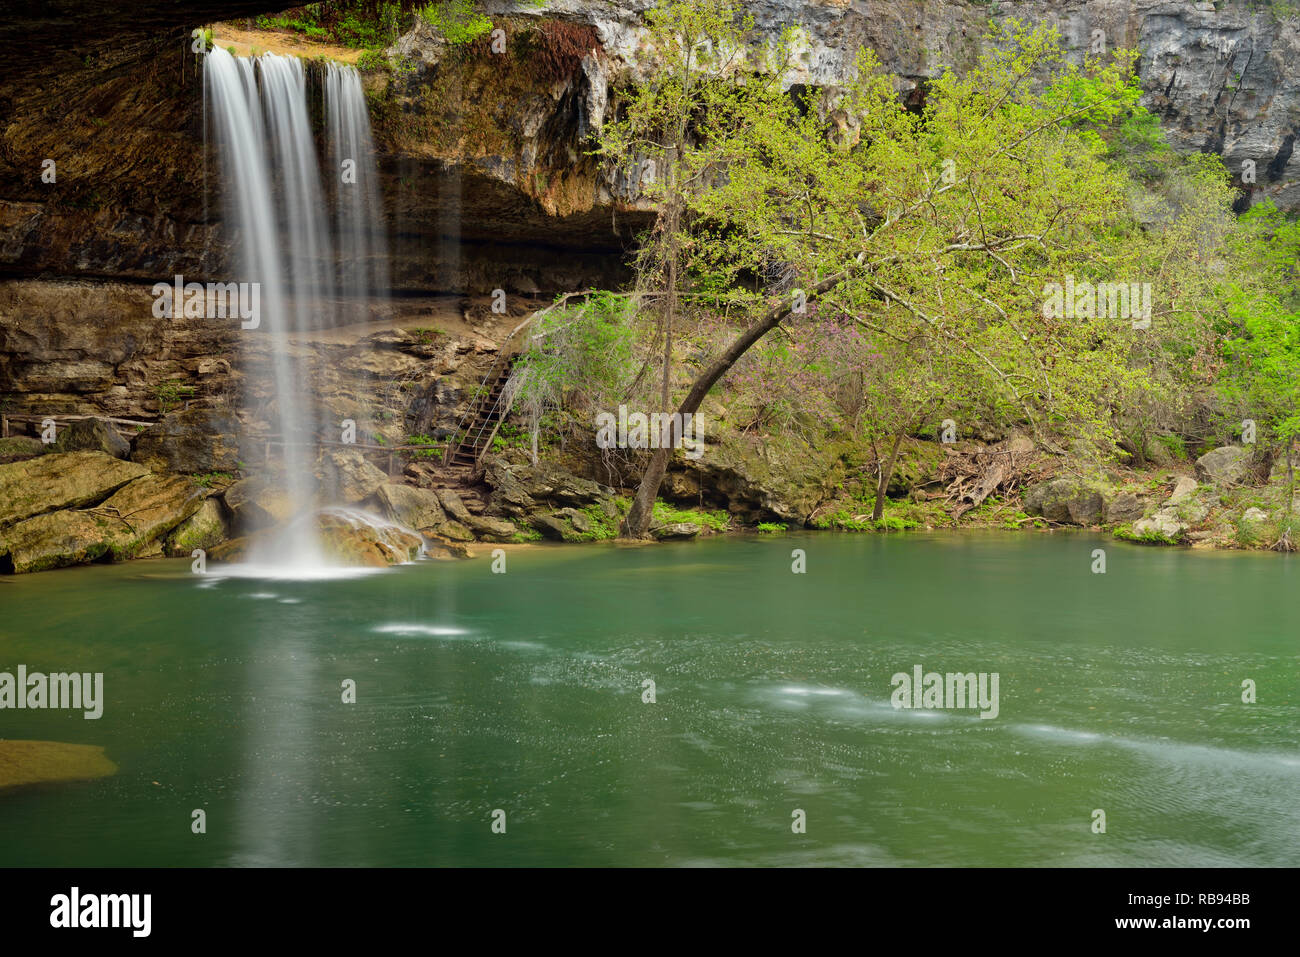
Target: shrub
(456,20)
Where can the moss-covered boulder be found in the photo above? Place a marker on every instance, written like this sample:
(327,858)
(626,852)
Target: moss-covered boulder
(129,524)
(151,506)
(1065,501)
(206,528)
(59,481)
(60,539)
(39,762)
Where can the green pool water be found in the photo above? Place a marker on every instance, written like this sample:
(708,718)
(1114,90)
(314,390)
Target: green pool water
(523,692)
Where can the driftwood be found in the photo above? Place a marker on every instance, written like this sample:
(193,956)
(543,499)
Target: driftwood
(974,476)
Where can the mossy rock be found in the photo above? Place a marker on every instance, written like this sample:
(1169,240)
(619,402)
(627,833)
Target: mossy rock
(40,762)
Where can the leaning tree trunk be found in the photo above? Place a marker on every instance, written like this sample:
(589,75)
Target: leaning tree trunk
(886,473)
(636,523)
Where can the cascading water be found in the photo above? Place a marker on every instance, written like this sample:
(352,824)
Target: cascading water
(363,253)
(275,208)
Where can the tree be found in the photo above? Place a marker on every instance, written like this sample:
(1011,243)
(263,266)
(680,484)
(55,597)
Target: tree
(1260,381)
(941,228)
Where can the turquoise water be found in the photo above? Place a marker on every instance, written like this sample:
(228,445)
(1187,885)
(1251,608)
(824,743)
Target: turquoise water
(522,692)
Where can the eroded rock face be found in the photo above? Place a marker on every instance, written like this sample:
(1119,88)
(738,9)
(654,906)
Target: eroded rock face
(60,481)
(500,153)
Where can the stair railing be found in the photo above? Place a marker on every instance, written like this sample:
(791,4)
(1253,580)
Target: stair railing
(505,356)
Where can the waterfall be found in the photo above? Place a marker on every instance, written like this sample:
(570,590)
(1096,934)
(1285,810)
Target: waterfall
(363,252)
(286,241)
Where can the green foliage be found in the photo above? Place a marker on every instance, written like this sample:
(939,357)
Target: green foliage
(360,24)
(603,526)
(456,20)
(1261,334)
(848,520)
(434,450)
(372,60)
(665,514)
(209,479)
(171,393)
(574,356)
(771,527)
(428,335)
(1150,537)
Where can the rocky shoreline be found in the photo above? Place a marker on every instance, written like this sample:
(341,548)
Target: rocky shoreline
(94,498)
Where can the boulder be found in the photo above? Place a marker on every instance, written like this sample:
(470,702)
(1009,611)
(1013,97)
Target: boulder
(509,495)
(454,506)
(579,520)
(493,529)
(1254,514)
(345,476)
(677,530)
(206,528)
(1225,466)
(555,528)
(1164,524)
(19,447)
(38,762)
(452,531)
(91,435)
(527,485)
(257,503)
(191,441)
(60,480)
(417,508)
(348,538)
(128,525)
(1184,489)
(447,548)
(1124,507)
(1065,501)
(151,506)
(60,539)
